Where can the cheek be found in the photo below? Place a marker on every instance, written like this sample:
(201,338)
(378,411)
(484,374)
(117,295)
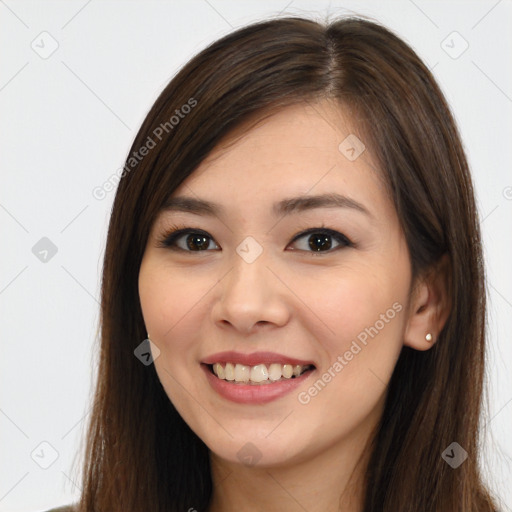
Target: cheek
(357,301)
(169,300)
(365,310)
(365,315)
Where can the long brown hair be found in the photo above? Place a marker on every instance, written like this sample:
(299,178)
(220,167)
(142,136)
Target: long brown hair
(140,454)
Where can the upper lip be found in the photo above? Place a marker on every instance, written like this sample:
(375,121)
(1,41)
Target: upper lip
(254,358)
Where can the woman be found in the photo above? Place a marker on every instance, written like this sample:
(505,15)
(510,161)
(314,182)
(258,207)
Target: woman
(293,301)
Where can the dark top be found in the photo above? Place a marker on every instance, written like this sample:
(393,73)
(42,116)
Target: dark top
(65,508)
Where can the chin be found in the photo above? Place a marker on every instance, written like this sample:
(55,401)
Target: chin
(255,449)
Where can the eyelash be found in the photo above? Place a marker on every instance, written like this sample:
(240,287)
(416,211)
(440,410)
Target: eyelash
(169,238)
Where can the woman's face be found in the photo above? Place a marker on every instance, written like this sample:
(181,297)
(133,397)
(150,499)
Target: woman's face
(300,268)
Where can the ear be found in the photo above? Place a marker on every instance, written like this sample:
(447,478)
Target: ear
(430,306)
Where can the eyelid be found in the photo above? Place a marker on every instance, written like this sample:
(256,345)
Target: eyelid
(169,238)
(171,235)
(335,234)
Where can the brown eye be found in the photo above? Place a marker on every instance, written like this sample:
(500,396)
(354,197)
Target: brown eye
(321,240)
(187,240)
(316,241)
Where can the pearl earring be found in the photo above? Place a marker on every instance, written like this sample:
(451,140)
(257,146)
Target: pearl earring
(428,337)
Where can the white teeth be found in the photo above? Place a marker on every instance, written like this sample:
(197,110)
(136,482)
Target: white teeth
(274,371)
(259,374)
(229,372)
(242,373)
(219,371)
(287,370)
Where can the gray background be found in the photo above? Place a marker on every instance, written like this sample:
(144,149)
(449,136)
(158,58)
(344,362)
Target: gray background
(76,79)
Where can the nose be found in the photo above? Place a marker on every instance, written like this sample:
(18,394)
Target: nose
(251,297)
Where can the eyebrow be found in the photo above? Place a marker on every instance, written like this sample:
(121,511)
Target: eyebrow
(281,208)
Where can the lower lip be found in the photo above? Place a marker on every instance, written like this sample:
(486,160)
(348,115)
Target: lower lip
(253,394)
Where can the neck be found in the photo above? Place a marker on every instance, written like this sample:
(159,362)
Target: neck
(332,481)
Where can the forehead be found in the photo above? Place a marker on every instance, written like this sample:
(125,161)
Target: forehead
(302,129)
(308,148)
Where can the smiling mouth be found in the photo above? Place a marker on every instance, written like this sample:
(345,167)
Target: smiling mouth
(259,374)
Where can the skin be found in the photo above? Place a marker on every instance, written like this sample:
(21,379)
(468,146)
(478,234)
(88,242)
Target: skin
(290,300)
